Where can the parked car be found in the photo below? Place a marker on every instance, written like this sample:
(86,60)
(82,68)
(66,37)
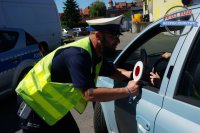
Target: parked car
(67,35)
(80,31)
(174,107)
(19,51)
(64,30)
(67,30)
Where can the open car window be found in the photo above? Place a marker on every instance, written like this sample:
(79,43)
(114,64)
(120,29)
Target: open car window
(148,48)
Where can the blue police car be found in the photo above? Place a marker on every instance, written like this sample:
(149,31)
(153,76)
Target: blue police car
(19,51)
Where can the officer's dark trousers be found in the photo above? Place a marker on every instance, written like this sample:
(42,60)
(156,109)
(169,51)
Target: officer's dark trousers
(36,125)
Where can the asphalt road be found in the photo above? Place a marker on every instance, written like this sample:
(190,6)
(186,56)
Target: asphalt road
(8,106)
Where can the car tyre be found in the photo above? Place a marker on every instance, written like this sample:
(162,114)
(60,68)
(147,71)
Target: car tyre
(99,121)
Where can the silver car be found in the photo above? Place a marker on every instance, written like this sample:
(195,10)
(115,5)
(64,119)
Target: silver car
(67,35)
(174,105)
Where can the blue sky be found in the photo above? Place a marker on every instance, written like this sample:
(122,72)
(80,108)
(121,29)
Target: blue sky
(84,3)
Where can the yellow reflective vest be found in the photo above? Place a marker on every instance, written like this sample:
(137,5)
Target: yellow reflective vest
(52,100)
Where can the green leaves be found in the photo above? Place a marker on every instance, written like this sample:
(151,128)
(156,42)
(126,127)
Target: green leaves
(97,9)
(71,16)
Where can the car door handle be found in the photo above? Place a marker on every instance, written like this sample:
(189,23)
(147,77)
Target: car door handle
(142,123)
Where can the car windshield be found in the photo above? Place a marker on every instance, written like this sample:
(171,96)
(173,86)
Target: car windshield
(7,40)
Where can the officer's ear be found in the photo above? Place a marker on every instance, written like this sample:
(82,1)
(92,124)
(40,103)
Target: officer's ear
(99,36)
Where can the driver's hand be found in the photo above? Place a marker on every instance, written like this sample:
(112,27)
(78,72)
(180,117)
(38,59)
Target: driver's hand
(133,87)
(155,79)
(166,55)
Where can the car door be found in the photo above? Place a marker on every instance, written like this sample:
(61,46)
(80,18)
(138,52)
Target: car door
(140,115)
(181,105)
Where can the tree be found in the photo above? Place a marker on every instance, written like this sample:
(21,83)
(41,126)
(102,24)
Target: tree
(127,15)
(97,9)
(71,16)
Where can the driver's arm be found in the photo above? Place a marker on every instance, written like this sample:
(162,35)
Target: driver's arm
(121,74)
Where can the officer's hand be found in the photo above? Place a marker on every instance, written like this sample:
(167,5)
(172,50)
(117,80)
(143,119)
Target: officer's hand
(133,87)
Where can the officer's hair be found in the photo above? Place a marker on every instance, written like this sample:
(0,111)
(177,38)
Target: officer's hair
(93,32)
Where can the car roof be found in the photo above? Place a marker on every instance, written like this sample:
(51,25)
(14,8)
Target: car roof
(11,29)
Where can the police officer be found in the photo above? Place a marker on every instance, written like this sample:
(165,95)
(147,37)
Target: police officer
(65,79)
